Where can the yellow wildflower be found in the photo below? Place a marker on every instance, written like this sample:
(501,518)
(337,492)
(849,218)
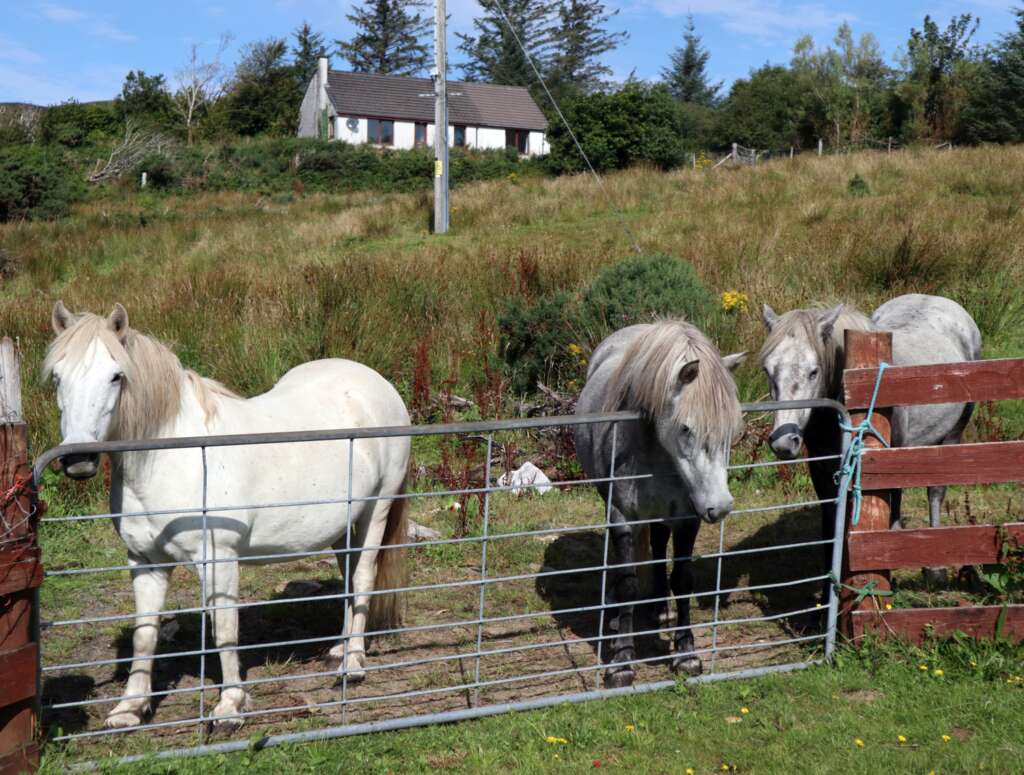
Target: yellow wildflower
(858,742)
(946,738)
(630,728)
(901,739)
(556,740)
(725,767)
(735,301)
(888,606)
(938,672)
(744,711)
(923,668)
(689,771)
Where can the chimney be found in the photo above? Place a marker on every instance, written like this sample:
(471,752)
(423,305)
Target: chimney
(321,82)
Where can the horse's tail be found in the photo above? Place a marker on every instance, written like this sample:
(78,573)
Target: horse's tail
(385,609)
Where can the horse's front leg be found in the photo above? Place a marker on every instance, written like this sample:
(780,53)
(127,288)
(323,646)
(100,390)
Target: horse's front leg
(150,586)
(222,596)
(620,670)
(684,535)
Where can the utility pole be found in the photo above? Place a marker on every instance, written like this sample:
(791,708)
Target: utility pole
(440,121)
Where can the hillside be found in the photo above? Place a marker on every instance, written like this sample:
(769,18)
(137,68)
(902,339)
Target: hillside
(247,286)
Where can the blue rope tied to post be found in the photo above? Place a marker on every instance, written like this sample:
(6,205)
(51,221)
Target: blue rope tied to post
(850,470)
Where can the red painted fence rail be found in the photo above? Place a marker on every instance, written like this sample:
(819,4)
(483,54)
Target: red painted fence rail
(873,548)
(20,574)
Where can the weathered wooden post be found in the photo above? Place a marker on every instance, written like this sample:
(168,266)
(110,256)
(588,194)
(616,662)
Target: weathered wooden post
(735,153)
(821,146)
(20,574)
(866,350)
(890,145)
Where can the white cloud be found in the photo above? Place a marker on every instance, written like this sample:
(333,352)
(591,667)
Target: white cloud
(12,51)
(101,28)
(763,19)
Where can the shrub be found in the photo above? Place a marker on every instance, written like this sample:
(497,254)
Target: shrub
(73,124)
(641,288)
(36,183)
(536,339)
(857,186)
(161,172)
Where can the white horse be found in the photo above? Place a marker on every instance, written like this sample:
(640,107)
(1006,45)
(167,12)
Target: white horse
(116,383)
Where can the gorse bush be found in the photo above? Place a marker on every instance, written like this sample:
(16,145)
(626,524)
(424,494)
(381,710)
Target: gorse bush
(641,288)
(36,183)
(545,340)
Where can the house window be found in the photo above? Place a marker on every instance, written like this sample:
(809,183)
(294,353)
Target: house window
(421,134)
(518,139)
(460,135)
(380,132)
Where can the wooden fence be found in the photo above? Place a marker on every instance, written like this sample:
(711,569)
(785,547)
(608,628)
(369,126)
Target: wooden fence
(20,575)
(872,549)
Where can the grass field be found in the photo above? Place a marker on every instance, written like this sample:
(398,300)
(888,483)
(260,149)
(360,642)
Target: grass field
(245,287)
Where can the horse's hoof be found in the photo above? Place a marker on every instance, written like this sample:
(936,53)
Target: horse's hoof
(122,720)
(687,665)
(619,679)
(355,677)
(935,577)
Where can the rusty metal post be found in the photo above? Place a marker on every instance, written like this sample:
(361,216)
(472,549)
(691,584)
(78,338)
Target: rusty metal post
(866,350)
(20,575)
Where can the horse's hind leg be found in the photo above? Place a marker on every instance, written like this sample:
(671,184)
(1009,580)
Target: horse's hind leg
(620,670)
(683,538)
(363,567)
(150,587)
(935,576)
(658,610)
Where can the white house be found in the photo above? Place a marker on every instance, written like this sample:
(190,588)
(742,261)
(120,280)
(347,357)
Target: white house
(398,112)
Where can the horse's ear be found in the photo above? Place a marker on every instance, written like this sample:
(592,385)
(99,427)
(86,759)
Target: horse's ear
(688,374)
(827,321)
(769,317)
(118,321)
(732,362)
(60,318)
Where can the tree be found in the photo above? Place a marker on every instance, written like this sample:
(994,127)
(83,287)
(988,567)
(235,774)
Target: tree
(686,75)
(493,51)
(145,99)
(198,83)
(937,64)
(767,110)
(580,41)
(309,47)
(264,94)
(389,38)
(849,84)
(995,109)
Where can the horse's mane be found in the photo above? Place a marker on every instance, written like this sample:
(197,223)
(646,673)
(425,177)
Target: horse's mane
(644,379)
(151,393)
(803,324)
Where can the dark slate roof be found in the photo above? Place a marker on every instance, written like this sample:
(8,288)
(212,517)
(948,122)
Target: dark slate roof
(398,97)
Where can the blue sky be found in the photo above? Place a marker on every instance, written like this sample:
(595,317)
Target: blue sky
(51,51)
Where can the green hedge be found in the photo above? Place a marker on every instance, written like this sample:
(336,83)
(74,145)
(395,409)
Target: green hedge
(36,183)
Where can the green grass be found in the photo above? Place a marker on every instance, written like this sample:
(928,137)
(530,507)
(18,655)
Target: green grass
(806,722)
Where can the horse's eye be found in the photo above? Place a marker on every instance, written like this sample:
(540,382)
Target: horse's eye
(814,373)
(117,377)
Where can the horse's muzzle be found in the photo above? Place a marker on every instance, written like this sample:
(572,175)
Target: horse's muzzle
(80,466)
(786,441)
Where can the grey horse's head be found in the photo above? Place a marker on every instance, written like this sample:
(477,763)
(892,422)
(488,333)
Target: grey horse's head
(799,358)
(679,380)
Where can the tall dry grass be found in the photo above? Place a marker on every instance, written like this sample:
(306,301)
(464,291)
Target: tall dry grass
(246,287)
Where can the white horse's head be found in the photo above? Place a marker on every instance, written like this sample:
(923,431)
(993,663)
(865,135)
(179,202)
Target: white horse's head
(88,364)
(701,457)
(679,379)
(799,357)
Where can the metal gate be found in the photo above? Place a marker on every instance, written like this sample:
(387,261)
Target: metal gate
(505,610)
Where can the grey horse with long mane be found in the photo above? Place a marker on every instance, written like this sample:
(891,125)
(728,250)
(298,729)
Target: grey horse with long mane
(671,373)
(803,358)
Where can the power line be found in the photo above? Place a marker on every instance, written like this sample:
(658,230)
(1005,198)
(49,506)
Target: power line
(554,103)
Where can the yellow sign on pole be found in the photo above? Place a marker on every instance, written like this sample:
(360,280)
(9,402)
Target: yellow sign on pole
(438,168)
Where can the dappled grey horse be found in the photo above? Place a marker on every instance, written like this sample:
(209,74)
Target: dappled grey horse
(803,358)
(677,379)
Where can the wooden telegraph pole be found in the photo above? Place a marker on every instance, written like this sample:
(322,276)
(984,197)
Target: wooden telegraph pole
(440,121)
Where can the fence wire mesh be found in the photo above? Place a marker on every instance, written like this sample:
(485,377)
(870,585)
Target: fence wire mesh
(507,606)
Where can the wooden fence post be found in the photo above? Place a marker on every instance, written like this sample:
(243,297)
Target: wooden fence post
(20,574)
(865,350)
(821,146)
